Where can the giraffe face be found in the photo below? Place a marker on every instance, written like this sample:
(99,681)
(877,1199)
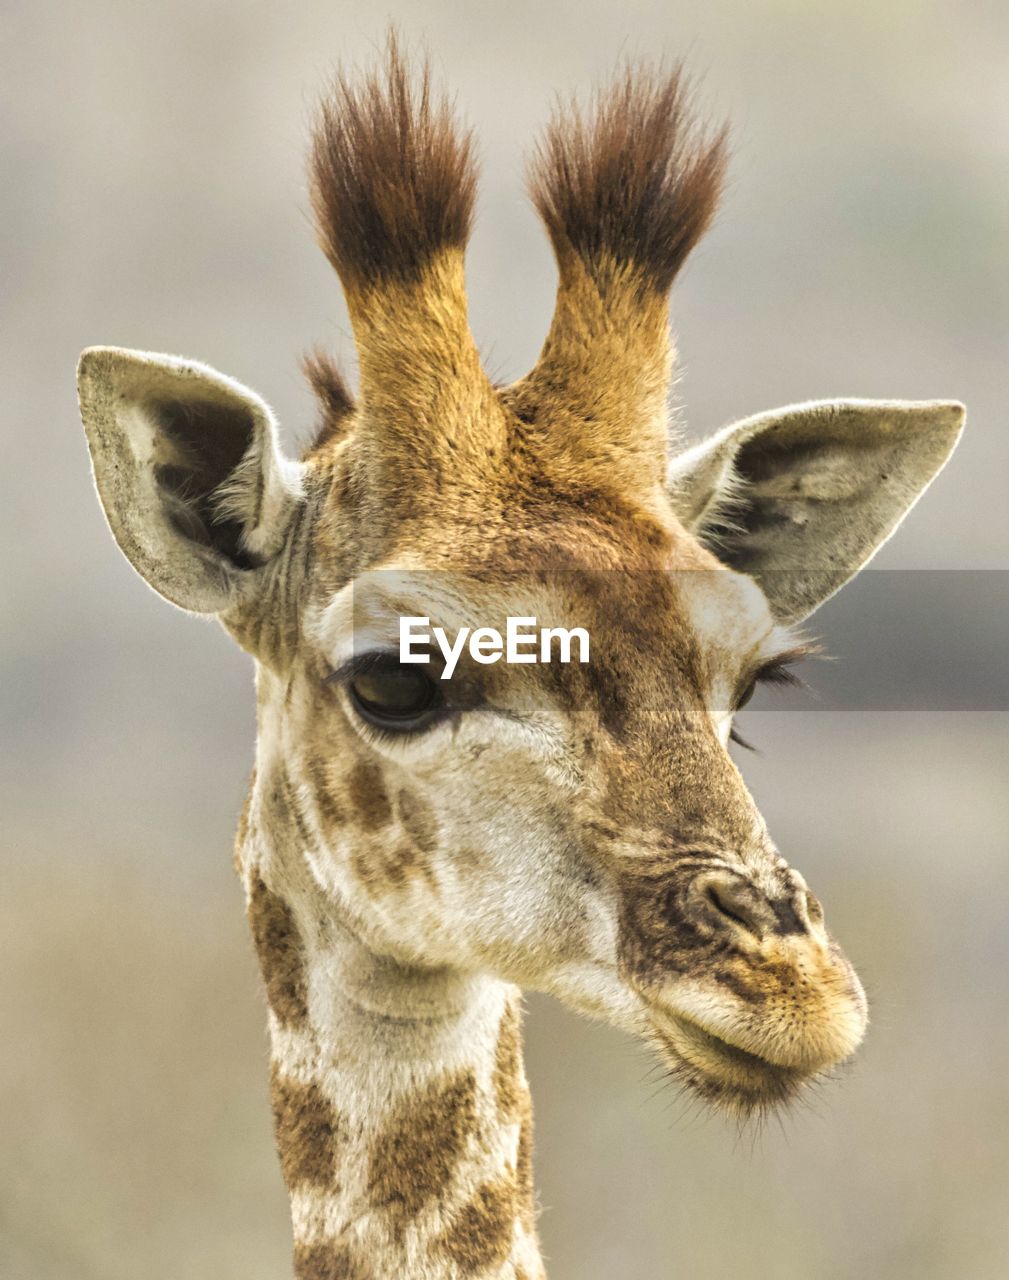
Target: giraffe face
(578,829)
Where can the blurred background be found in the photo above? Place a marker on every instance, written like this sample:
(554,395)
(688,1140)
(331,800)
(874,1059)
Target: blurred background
(153,196)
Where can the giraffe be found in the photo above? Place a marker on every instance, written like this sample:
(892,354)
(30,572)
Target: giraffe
(417,851)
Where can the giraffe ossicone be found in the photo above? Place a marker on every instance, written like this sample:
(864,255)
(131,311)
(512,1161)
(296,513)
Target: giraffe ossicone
(416,851)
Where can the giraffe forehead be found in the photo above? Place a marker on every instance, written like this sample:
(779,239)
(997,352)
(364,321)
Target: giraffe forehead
(581,544)
(563,524)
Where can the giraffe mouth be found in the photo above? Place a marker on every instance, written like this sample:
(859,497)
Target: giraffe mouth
(723,1074)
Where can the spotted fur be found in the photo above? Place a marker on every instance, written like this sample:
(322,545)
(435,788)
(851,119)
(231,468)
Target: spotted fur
(416,1152)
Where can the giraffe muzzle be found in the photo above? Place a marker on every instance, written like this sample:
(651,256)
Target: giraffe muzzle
(748,995)
(752,1034)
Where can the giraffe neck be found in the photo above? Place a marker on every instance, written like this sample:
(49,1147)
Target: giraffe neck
(400,1103)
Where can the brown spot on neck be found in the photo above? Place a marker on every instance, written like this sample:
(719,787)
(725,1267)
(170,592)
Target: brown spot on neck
(509,1088)
(329,1261)
(281,954)
(414,1156)
(481,1234)
(308,1131)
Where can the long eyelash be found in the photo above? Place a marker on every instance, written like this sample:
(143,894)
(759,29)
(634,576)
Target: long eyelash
(779,672)
(779,669)
(358,665)
(363,663)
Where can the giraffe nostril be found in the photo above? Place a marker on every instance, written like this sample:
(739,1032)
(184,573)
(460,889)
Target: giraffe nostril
(735,901)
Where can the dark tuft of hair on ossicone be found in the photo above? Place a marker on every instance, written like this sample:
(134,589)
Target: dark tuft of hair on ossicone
(393,177)
(634,181)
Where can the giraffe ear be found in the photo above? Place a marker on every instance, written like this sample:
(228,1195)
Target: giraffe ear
(801,498)
(188,471)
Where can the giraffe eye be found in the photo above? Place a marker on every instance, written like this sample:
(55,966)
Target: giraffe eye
(391,696)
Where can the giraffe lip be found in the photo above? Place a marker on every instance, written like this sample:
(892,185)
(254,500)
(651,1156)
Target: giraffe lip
(711,1042)
(720,1071)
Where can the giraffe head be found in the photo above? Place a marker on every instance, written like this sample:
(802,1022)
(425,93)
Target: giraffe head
(575,828)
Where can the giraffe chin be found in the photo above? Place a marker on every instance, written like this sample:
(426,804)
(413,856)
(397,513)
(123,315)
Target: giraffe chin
(725,1076)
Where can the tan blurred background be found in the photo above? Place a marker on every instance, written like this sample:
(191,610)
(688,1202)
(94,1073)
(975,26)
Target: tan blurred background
(153,196)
